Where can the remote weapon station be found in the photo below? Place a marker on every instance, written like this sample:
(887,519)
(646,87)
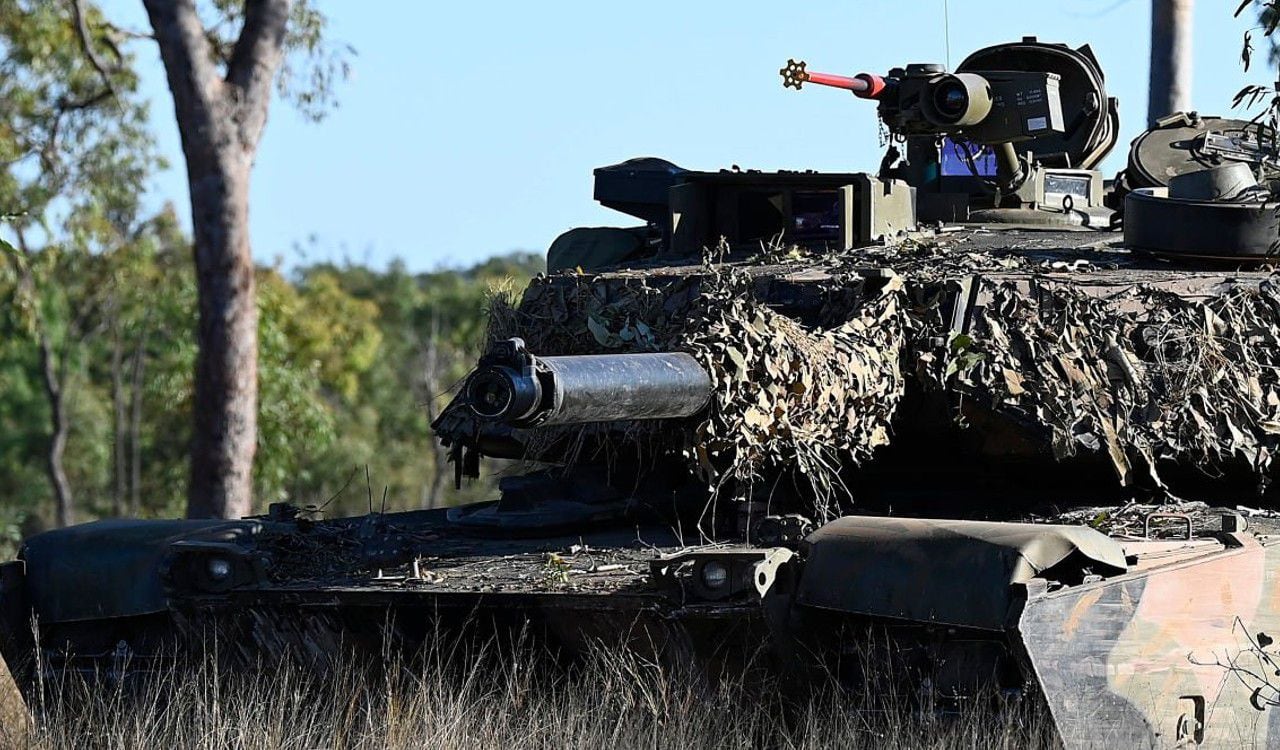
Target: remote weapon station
(789,410)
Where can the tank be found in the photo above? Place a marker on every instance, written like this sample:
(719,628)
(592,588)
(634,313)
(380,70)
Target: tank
(980,406)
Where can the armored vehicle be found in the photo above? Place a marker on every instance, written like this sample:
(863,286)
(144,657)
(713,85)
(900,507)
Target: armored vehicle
(1007,419)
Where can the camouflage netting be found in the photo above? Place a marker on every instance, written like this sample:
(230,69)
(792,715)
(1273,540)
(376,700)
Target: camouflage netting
(786,398)
(1167,380)
(1145,378)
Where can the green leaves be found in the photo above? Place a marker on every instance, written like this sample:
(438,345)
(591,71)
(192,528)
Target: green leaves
(962,357)
(15,289)
(9,251)
(314,64)
(1269,17)
(69,137)
(632,335)
(1250,95)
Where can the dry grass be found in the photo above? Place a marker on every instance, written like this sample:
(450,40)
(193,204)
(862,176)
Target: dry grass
(508,703)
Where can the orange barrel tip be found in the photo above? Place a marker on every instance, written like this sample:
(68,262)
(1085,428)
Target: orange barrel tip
(863,85)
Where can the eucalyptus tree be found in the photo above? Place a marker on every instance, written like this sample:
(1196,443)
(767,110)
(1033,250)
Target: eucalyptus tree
(75,155)
(222,73)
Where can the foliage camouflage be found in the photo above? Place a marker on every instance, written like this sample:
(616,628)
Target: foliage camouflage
(784,397)
(1144,377)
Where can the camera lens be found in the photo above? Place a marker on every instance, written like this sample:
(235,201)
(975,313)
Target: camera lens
(950,99)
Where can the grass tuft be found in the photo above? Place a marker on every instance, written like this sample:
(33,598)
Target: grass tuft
(614,700)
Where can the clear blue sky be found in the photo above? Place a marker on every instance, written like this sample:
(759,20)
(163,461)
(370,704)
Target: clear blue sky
(471,128)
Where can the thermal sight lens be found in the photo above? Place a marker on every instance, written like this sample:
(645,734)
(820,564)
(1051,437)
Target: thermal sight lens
(951,100)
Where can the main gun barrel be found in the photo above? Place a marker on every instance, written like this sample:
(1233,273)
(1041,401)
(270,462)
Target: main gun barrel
(514,387)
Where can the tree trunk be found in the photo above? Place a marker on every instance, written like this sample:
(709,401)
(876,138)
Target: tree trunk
(135,417)
(220,120)
(431,377)
(1170,85)
(226,379)
(64,505)
(119,453)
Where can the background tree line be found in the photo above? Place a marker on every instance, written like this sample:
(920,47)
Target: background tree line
(353,361)
(146,372)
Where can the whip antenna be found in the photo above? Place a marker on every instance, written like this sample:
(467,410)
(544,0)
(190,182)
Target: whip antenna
(946,30)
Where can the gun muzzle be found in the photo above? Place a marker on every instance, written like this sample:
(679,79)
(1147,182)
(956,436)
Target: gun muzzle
(863,85)
(517,388)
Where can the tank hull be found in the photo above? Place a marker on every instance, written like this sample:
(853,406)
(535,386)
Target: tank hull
(1148,642)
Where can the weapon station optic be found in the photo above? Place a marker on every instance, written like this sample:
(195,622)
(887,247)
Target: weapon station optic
(991,108)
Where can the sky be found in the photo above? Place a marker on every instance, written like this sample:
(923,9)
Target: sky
(471,128)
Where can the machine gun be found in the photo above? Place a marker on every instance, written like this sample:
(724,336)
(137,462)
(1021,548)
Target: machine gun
(1044,99)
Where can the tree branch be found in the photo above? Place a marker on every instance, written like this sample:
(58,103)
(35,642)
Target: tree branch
(70,105)
(254,61)
(261,41)
(188,61)
(65,104)
(124,33)
(86,44)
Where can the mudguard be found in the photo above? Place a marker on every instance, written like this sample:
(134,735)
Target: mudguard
(111,568)
(960,573)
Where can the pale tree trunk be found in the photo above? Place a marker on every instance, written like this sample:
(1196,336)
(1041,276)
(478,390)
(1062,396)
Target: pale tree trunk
(135,418)
(1170,85)
(431,380)
(64,505)
(52,376)
(226,378)
(220,119)
(120,449)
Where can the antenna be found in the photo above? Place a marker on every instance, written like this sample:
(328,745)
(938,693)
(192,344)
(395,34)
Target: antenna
(946,30)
